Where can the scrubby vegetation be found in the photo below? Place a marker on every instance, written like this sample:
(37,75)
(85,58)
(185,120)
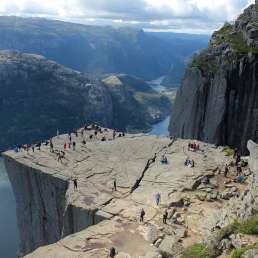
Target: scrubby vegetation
(241,251)
(228,35)
(200,250)
(249,227)
(228,151)
(196,251)
(205,62)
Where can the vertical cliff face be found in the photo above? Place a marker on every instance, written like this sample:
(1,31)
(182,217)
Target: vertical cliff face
(44,212)
(217,101)
(40,203)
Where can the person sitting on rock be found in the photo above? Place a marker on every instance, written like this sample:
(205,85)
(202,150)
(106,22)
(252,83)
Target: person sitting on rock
(174,219)
(205,180)
(164,160)
(187,161)
(240,179)
(103,139)
(83,142)
(192,163)
(239,170)
(215,228)
(142,214)
(112,252)
(165,216)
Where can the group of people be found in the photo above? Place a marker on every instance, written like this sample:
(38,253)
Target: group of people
(193,147)
(239,178)
(189,163)
(70,144)
(98,131)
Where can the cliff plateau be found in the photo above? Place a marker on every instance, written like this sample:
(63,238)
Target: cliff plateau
(87,221)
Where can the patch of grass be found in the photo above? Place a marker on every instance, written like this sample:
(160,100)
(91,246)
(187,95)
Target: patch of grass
(238,253)
(250,226)
(236,40)
(228,151)
(205,63)
(196,251)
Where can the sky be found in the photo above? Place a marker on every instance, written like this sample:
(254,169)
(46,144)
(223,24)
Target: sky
(192,16)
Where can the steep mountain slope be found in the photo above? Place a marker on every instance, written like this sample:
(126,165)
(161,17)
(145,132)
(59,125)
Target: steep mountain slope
(38,96)
(92,49)
(185,45)
(217,101)
(135,98)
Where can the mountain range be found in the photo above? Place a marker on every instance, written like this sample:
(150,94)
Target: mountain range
(96,50)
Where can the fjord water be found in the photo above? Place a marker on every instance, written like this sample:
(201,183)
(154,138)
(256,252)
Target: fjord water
(8,224)
(161,129)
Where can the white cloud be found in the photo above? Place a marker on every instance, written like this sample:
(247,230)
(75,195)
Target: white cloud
(185,15)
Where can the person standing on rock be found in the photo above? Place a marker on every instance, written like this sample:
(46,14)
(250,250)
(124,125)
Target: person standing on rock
(39,146)
(226,171)
(51,145)
(238,159)
(114,135)
(75,184)
(65,146)
(114,186)
(157,198)
(165,216)
(142,214)
(74,145)
(112,252)
(59,157)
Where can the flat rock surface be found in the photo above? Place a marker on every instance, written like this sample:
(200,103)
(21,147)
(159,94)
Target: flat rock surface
(139,176)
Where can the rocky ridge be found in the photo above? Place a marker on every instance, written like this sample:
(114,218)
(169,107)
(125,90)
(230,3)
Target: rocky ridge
(216,100)
(98,50)
(88,221)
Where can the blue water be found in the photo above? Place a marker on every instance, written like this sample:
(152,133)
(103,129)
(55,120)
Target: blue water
(161,129)
(8,223)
